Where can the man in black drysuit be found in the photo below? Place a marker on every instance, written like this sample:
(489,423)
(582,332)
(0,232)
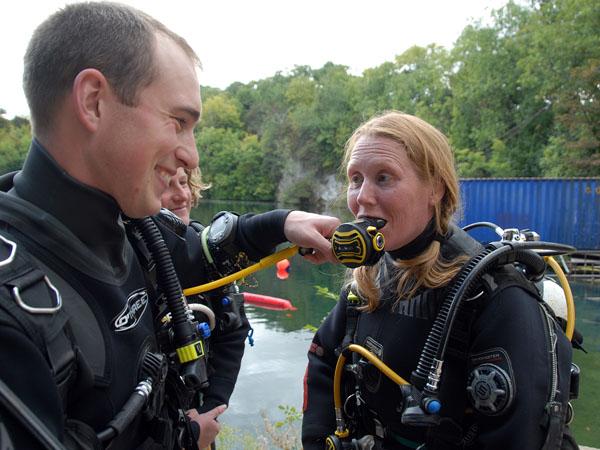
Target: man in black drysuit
(114,100)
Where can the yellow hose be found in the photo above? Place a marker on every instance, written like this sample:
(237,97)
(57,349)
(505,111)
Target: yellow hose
(262,264)
(337,381)
(568,295)
(383,368)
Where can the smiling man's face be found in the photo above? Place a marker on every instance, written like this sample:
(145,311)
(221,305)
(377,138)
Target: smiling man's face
(143,146)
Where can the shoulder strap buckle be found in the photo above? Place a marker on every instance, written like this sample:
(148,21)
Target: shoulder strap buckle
(13,251)
(38,310)
(27,279)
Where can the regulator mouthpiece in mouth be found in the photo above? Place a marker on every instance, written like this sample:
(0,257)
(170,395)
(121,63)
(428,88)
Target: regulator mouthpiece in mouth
(359,243)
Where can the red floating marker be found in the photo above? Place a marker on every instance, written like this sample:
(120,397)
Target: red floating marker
(267,302)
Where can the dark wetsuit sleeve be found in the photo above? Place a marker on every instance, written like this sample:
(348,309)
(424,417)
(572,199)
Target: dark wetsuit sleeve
(227,349)
(186,254)
(26,373)
(512,322)
(258,234)
(319,415)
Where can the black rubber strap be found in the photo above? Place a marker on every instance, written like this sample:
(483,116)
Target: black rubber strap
(27,418)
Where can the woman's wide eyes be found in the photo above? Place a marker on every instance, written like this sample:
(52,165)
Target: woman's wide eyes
(383,178)
(355,180)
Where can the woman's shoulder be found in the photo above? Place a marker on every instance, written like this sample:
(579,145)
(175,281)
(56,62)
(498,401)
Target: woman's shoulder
(506,294)
(458,242)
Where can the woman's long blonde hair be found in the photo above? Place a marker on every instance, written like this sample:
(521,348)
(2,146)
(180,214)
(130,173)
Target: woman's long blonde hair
(194,180)
(430,152)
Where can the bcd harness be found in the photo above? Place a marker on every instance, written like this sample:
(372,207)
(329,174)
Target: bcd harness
(447,432)
(32,302)
(42,310)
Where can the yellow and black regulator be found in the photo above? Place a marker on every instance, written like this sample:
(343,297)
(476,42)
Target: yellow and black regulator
(359,243)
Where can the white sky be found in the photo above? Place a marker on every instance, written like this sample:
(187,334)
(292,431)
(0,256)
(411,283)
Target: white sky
(245,40)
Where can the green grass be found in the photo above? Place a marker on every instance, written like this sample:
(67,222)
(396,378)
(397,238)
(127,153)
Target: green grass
(281,434)
(230,438)
(586,426)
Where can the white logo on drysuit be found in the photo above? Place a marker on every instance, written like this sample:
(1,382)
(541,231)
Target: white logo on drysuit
(132,312)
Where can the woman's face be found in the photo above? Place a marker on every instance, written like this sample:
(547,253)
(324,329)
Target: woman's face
(178,197)
(383,183)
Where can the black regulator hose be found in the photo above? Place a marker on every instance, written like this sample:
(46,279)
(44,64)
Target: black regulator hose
(491,225)
(494,255)
(167,279)
(129,412)
(12,406)
(443,321)
(189,345)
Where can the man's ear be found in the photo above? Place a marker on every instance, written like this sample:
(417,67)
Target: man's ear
(89,88)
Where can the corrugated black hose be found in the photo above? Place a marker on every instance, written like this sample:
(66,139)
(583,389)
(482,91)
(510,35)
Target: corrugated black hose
(183,328)
(444,320)
(494,255)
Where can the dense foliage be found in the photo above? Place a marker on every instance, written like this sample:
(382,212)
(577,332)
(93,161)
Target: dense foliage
(518,96)
(15,136)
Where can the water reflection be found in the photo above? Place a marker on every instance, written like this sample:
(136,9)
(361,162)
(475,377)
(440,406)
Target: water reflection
(301,289)
(271,375)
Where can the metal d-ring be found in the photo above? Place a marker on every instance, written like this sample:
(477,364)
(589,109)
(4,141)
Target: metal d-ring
(13,251)
(34,310)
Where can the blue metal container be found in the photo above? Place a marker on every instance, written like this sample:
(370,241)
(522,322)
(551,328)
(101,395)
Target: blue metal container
(565,210)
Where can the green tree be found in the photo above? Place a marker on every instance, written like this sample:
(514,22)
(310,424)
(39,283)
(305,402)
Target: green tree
(494,113)
(221,111)
(252,178)
(15,137)
(563,66)
(217,147)
(321,117)
(517,96)
(324,125)
(423,84)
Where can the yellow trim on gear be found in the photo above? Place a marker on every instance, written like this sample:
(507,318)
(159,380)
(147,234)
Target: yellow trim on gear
(347,238)
(337,376)
(190,352)
(342,434)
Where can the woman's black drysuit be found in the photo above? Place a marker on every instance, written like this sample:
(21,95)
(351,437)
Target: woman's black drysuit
(499,334)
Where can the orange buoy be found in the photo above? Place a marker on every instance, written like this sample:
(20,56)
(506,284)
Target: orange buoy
(283,269)
(268,302)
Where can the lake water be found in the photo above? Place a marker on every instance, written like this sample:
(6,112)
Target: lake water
(273,369)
